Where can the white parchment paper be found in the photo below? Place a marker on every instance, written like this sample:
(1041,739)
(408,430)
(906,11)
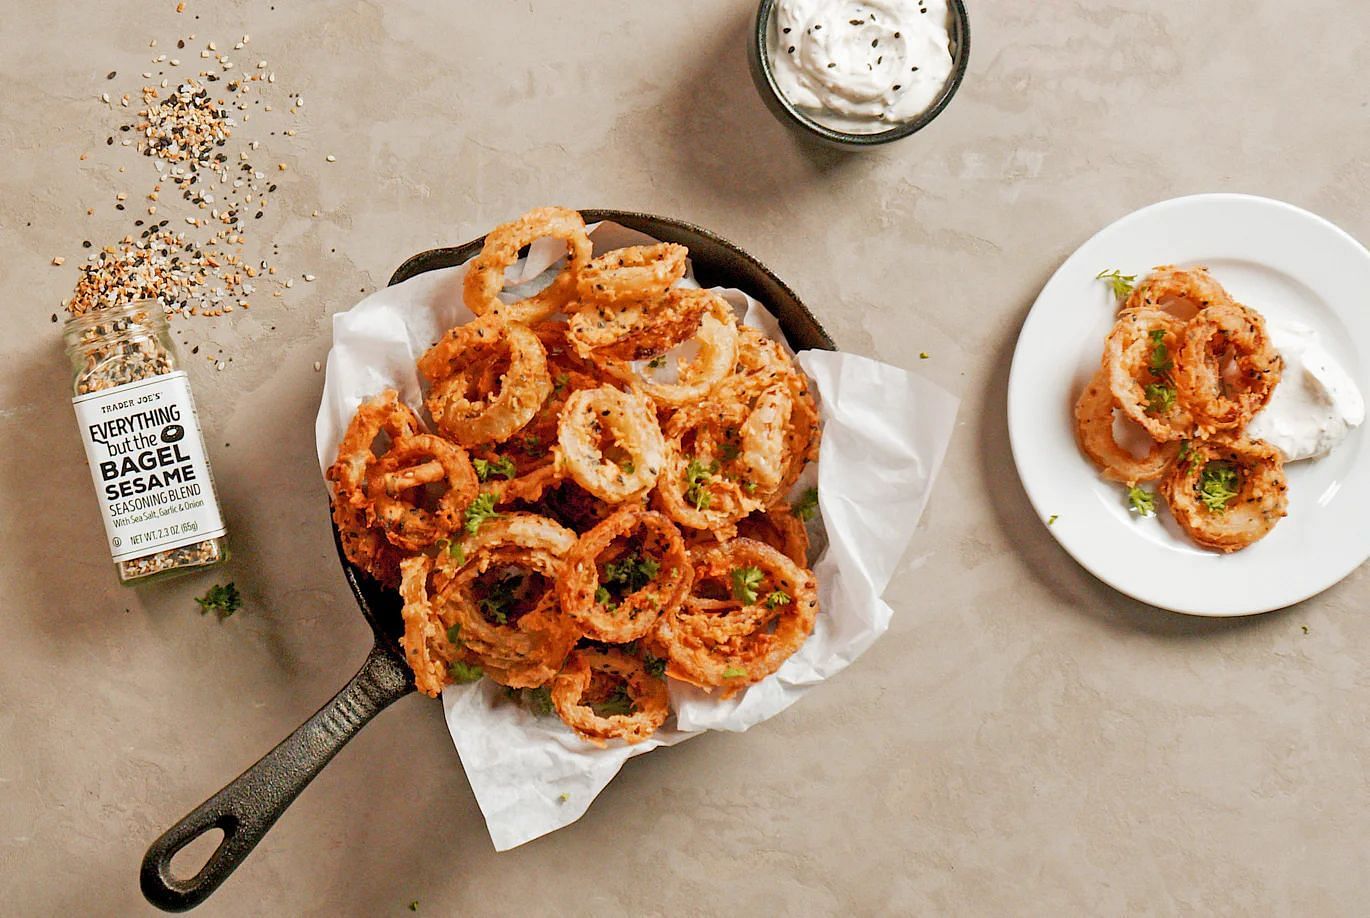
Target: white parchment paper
(885,432)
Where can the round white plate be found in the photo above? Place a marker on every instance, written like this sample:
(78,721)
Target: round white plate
(1285,262)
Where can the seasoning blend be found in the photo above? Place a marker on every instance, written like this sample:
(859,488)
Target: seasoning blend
(142,439)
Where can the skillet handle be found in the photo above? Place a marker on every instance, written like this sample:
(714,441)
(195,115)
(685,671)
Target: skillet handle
(252,803)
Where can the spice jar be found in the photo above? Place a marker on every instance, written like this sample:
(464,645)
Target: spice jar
(142,439)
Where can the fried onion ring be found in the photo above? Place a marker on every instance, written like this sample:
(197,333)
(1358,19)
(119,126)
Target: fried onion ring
(724,637)
(1180,291)
(632,273)
(381,414)
(412,463)
(780,529)
(527,647)
(1094,428)
(1138,358)
(595,419)
(696,375)
(1203,481)
(637,329)
(1225,393)
(365,546)
(426,648)
(485,273)
(633,612)
(459,366)
(649,703)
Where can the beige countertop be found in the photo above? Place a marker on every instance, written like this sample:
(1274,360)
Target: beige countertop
(1023,740)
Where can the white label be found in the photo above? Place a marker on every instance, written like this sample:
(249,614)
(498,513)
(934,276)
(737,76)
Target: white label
(147,459)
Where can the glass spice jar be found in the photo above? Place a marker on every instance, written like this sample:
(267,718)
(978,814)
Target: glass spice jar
(142,438)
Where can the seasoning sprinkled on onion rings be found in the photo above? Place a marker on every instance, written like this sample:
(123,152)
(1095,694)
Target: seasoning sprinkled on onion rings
(1227,368)
(633,273)
(1227,493)
(594,420)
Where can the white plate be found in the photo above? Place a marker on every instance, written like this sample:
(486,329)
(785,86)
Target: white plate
(1285,262)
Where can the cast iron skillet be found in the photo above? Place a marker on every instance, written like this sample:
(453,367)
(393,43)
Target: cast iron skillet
(252,803)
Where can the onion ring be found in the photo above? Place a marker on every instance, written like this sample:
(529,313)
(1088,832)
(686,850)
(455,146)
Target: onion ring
(653,585)
(1221,400)
(1168,286)
(699,374)
(527,648)
(632,273)
(1227,493)
(485,273)
(424,642)
(382,413)
(365,546)
(1094,429)
(702,485)
(725,637)
(628,421)
(637,329)
(461,404)
(412,463)
(1138,358)
(646,693)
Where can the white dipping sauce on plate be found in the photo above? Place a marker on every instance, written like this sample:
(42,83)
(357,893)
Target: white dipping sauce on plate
(1316,403)
(861,66)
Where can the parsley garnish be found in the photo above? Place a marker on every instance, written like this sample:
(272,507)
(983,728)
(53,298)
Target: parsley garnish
(1051,521)
(656,363)
(697,475)
(532,444)
(463,672)
(627,466)
(633,572)
(617,703)
(454,635)
(481,509)
(495,603)
(729,451)
(1218,485)
(604,599)
(1185,450)
(777,598)
(655,666)
(1159,398)
(501,466)
(536,700)
(222,599)
(734,672)
(745,582)
(1160,363)
(561,381)
(1142,500)
(807,506)
(1121,283)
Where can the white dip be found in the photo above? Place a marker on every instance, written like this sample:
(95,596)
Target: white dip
(861,67)
(1316,403)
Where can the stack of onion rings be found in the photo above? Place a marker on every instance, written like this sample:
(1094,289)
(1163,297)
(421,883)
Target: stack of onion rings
(1190,366)
(516,522)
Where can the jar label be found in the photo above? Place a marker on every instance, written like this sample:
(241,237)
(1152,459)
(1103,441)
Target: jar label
(147,459)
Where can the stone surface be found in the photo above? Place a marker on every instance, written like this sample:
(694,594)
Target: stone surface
(1024,740)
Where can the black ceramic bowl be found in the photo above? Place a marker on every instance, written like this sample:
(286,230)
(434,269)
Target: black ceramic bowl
(788,114)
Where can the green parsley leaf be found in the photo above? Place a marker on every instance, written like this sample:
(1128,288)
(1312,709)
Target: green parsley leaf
(1185,451)
(481,509)
(1121,283)
(1218,485)
(697,475)
(615,704)
(496,602)
(462,672)
(655,666)
(729,451)
(532,444)
(537,700)
(806,507)
(1051,521)
(1160,362)
(1159,398)
(222,599)
(734,672)
(501,466)
(454,634)
(777,598)
(457,553)
(745,582)
(632,572)
(603,597)
(627,466)
(561,381)
(1143,501)
(656,363)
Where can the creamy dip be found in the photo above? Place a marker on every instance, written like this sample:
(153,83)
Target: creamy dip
(1316,403)
(861,67)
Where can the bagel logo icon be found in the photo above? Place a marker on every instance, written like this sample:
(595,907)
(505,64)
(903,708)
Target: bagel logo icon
(172,433)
